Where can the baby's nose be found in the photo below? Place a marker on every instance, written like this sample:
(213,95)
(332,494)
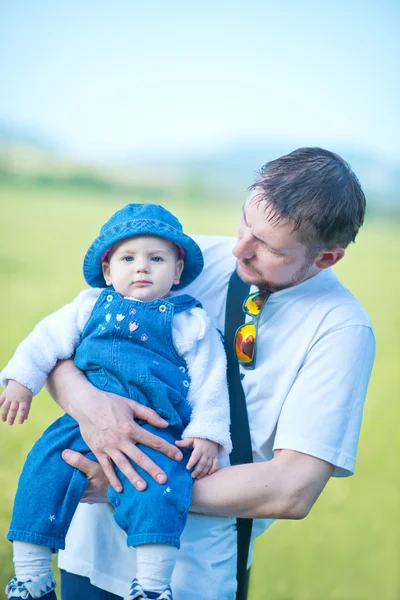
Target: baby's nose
(142,266)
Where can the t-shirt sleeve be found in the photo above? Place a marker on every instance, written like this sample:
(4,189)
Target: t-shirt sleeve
(322,413)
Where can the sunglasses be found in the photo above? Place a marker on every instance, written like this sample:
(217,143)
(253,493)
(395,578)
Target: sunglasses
(246,335)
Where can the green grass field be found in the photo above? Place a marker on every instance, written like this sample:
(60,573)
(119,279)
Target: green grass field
(348,548)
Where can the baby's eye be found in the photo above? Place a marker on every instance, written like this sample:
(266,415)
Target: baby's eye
(156,258)
(127,258)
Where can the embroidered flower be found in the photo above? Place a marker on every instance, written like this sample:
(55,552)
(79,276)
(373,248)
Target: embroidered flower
(120,317)
(144,337)
(108,317)
(132,311)
(133,326)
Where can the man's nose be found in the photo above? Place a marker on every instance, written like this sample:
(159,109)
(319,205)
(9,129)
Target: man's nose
(245,245)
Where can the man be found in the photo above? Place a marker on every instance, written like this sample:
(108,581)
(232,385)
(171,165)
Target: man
(314,353)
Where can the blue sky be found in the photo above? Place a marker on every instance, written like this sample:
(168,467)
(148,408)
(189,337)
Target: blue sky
(106,79)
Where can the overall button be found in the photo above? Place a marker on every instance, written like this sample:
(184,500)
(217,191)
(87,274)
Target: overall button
(182,369)
(109,298)
(162,308)
(186,383)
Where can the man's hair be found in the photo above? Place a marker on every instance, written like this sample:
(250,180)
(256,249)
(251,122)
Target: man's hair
(318,192)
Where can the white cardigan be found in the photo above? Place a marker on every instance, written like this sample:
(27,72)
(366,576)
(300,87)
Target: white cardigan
(196,340)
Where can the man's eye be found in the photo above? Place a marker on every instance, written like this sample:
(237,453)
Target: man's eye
(156,258)
(127,258)
(268,249)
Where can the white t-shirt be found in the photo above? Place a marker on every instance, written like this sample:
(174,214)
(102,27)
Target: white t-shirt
(315,352)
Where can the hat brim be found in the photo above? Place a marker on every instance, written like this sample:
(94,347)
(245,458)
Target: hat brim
(193,261)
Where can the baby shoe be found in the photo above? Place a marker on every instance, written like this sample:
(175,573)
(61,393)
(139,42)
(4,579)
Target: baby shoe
(32,589)
(136,591)
(166,595)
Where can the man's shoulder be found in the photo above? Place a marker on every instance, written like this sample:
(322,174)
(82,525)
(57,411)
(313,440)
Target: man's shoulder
(210,287)
(218,258)
(220,245)
(340,307)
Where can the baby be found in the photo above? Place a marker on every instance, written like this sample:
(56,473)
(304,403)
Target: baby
(130,337)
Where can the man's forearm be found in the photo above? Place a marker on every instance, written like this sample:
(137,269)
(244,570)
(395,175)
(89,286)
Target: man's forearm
(65,383)
(283,488)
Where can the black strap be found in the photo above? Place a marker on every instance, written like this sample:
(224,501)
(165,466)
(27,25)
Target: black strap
(240,432)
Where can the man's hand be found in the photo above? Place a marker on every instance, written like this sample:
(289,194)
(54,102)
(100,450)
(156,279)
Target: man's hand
(96,491)
(112,435)
(107,424)
(204,456)
(16,399)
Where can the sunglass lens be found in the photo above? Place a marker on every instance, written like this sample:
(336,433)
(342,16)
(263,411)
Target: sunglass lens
(254,303)
(244,342)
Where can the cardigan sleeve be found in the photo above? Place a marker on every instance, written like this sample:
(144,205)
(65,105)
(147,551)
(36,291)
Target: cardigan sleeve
(208,392)
(54,338)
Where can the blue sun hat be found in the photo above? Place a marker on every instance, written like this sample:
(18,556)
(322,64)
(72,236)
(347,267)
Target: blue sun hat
(142,219)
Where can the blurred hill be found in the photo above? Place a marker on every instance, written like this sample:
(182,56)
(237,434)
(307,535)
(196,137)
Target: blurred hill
(28,156)
(236,165)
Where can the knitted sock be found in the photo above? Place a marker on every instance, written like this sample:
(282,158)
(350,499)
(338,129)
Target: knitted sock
(155,563)
(31,560)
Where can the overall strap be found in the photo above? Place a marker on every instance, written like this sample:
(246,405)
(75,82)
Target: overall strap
(240,432)
(183,302)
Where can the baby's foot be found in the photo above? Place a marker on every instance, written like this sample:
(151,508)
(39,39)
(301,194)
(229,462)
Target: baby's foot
(166,595)
(137,592)
(33,588)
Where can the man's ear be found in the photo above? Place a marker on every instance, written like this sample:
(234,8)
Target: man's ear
(178,271)
(328,258)
(105,265)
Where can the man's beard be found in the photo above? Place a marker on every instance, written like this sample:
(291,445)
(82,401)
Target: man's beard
(303,273)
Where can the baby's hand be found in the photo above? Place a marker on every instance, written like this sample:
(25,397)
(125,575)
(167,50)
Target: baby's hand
(15,398)
(204,456)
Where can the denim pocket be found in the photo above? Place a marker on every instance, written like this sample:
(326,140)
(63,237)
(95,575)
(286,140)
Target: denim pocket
(162,398)
(98,377)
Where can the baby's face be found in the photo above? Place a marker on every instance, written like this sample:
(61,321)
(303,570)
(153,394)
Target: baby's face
(143,267)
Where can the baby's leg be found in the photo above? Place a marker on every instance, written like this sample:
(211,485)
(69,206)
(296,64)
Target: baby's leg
(33,574)
(48,490)
(47,495)
(154,519)
(155,564)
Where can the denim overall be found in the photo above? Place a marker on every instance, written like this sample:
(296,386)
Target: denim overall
(126,348)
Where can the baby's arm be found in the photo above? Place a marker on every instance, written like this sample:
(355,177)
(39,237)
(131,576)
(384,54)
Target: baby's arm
(208,396)
(16,398)
(54,338)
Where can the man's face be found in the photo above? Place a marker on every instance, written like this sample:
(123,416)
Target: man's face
(269,253)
